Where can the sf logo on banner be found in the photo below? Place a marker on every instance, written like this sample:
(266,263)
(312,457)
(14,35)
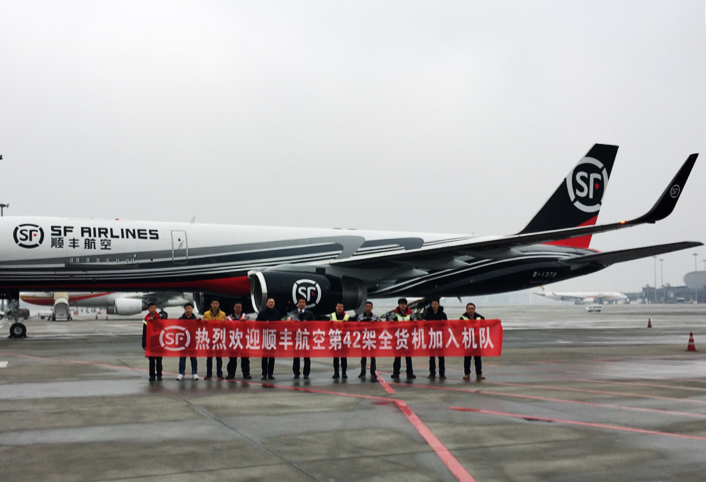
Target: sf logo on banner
(586,184)
(174,338)
(307,289)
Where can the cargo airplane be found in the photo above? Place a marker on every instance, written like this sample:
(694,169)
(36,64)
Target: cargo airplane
(125,304)
(325,266)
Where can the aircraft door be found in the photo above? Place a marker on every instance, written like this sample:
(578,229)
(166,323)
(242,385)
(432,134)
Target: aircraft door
(180,247)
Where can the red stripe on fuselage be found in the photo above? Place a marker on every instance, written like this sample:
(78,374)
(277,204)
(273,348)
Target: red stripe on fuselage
(580,242)
(49,300)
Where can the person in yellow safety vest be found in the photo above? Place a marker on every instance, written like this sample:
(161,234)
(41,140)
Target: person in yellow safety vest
(402,313)
(214,314)
(340,315)
(471,314)
(155,361)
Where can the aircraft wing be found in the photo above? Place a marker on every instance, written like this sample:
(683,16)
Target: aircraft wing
(502,246)
(612,257)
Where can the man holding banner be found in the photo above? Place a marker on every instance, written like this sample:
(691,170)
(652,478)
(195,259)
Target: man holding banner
(471,314)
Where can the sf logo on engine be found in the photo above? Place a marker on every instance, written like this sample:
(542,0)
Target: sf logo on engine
(174,338)
(586,184)
(28,236)
(307,289)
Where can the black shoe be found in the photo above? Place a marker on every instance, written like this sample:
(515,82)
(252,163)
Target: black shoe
(335,375)
(247,377)
(220,378)
(264,377)
(270,377)
(159,378)
(395,376)
(207,377)
(362,375)
(230,378)
(151,379)
(374,379)
(412,376)
(344,376)
(306,377)
(296,377)
(442,377)
(432,376)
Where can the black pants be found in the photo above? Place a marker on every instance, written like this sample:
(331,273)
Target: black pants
(268,367)
(155,361)
(467,365)
(232,367)
(398,364)
(344,365)
(297,364)
(219,367)
(363,364)
(442,366)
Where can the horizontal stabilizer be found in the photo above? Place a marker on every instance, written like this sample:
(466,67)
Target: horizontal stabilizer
(612,257)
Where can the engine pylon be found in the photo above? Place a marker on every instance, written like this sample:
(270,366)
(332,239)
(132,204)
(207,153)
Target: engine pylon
(691,346)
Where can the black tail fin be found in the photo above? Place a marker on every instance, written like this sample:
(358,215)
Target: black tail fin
(577,200)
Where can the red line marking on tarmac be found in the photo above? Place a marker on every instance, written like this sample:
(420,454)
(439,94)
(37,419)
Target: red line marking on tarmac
(559,400)
(599,392)
(583,424)
(638,384)
(449,460)
(384,383)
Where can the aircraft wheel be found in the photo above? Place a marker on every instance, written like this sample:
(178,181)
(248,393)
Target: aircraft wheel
(18,330)
(163,314)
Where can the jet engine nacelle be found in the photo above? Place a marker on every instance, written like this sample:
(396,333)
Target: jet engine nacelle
(126,307)
(321,292)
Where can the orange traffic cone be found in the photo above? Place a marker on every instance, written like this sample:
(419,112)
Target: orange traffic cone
(649,323)
(96,317)
(691,346)
(106,317)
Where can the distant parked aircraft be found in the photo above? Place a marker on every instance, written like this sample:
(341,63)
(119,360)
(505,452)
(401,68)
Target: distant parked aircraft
(584,297)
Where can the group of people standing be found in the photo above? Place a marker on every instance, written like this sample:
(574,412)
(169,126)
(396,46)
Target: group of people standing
(301,313)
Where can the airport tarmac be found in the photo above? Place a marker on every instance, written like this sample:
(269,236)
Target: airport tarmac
(575,396)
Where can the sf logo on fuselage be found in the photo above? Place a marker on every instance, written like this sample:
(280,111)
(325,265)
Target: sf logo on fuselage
(28,236)
(307,289)
(174,338)
(586,184)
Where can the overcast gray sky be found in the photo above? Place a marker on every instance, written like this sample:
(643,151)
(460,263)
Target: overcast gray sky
(456,117)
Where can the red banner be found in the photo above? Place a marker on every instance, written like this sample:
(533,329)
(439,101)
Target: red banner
(317,339)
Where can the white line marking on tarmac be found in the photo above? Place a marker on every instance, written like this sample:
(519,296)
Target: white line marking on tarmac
(3,364)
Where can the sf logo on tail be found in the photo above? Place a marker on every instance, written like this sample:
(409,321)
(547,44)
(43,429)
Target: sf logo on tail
(586,184)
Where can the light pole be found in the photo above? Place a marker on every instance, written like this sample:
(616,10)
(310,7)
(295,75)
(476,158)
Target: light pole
(696,291)
(655,266)
(3,206)
(661,275)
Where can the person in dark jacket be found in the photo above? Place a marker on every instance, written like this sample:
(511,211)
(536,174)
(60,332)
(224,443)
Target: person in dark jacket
(155,361)
(436,312)
(402,313)
(188,315)
(232,366)
(269,314)
(471,314)
(301,314)
(368,317)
